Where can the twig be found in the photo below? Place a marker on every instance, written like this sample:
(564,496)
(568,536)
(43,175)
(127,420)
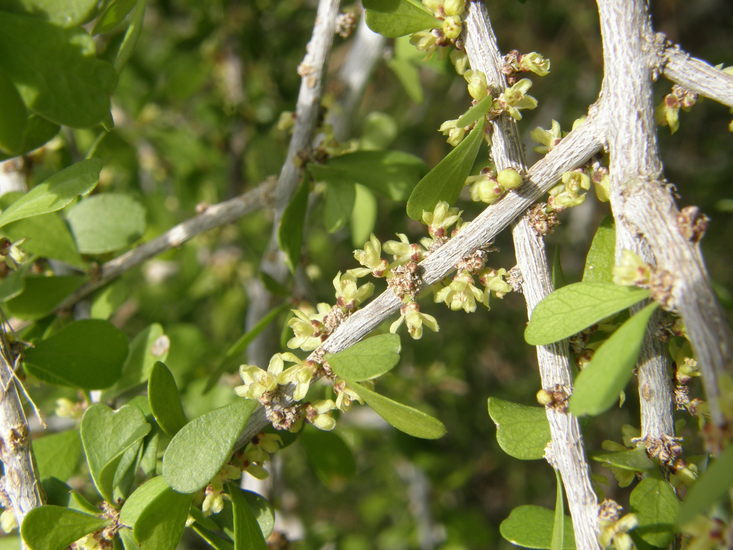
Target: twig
(214,216)
(694,74)
(639,197)
(566,452)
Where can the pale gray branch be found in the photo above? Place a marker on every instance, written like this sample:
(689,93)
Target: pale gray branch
(213,216)
(566,451)
(696,75)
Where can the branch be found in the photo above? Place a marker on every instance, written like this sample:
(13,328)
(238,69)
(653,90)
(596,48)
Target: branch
(644,204)
(566,451)
(695,74)
(214,216)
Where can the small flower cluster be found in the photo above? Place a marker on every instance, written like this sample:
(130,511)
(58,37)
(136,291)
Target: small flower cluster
(571,190)
(533,62)
(614,528)
(488,186)
(667,112)
(449,12)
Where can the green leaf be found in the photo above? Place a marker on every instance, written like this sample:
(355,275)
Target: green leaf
(393,18)
(575,307)
(141,498)
(12,284)
(475,112)
(56,192)
(367,359)
(107,222)
(406,419)
(247,532)
(55,70)
(46,236)
(68,13)
(160,524)
(711,487)
(58,455)
(147,347)
(240,346)
(106,301)
(55,527)
(129,41)
(635,460)
(290,232)
(656,506)
(445,181)
(87,354)
(202,447)
(113,15)
(558,526)
(521,431)
(409,76)
(338,205)
(106,434)
(128,539)
(37,131)
(363,216)
(165,401)
(557,275)
(41,295)
(601,256)
(328,455)
(532,527)
(13,117)
(391,173)
(378,130)
(599,384)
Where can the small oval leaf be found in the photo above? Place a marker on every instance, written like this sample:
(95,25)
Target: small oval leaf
(87,354)
(107,222)
(656,506)
(475,112)
(201,447)
(393,18)
(599,384)
(160,524)
(575,307)
(406,419)
(56,527)
(165,401)
(368,359)
(445,181)
(532,526)
(521,431)
(601,255)
(247,532)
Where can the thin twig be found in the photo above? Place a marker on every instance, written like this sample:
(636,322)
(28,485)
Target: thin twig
(213,216)
(566,452)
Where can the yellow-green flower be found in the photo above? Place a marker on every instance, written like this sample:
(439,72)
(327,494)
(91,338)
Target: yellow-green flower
(462,293)
(348,293)
(371,258)
(403,251)
(318,413)
(478,87)
(536,63)
(515,98)
(455,133)
(630,269)
(440,219)
(547,139)
(308,327)
(412,317)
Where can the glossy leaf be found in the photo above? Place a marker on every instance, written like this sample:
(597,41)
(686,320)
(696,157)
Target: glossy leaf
(160,524)
(201,447)
(290,232)
(58,455)
(46,236)
(406,419)
(56,192)
(390,173)
(113,15)
(575,307)
(475,112)
(363,216)
(558,526)
(13,117)
(65,14)
(87,354)
(106,434)
(367,359)
(41,295)
(601,256)
(445,181)
(635,460)
(599,384)
(711,487)
(328,455)
(532,526)
(247,532)
(56,70)
(165,401)
(107,222)
(392,18)
(147,347)
(56,527)
(521,431)
(338,204)
(656,507)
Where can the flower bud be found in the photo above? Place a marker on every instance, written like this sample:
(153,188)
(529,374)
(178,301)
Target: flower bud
(478,88)
(452,27)
(535,63)
(454,7)
(509,178)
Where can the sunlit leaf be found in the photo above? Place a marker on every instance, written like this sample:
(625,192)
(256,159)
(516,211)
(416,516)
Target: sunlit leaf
(392,18)
(475,112)
(532,526)
(247,532)
(106,222)
(367,359)
(55,527)
(58,455)
(521,431)
(601,256)
(165,400)
(655,505)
